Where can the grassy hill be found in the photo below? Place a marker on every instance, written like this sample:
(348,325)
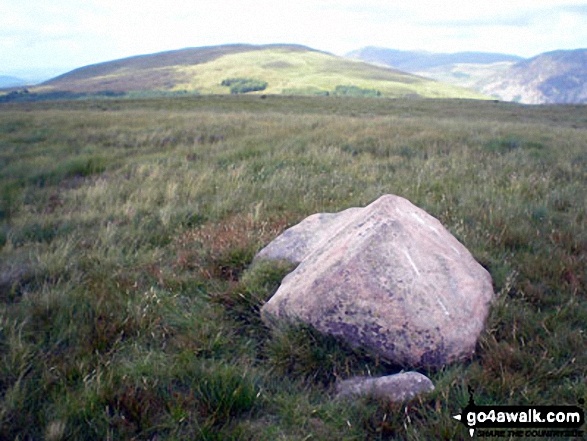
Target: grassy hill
(287,69)
(129,309)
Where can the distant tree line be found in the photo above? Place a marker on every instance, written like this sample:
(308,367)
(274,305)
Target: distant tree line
(29,97)
(305,91)
(244,85)
(355,91)
(338,91)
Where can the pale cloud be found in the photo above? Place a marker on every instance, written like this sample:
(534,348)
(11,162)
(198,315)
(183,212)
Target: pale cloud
(69,34)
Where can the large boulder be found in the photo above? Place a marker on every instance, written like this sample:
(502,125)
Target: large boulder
(388,277)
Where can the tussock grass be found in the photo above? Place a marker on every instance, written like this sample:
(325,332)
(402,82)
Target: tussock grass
(129,308)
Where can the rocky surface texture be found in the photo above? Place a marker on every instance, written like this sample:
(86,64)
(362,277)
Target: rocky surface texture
(388,277)
(395,388)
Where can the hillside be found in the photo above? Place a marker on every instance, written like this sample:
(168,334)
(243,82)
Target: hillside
(549,78)
(286,69)
(471,70)
(471,75)
(419,61)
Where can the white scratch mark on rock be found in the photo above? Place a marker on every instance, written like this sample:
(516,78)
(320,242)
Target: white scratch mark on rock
(442,306)
(411,262)
(426,224)
(418,218)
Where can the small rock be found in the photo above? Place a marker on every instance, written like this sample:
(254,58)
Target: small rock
(315,231)
(395,388)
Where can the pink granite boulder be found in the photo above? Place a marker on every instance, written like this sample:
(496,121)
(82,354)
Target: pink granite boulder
(388,277)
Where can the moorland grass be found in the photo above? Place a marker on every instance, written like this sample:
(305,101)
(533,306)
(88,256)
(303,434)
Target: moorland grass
(128,306)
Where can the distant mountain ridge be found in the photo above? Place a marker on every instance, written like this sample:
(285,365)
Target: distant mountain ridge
(10,81)
(415,61)
(557,77)
(273,69)
(549,78)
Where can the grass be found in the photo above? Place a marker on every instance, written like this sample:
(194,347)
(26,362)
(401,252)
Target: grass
(129,306)
(285,69)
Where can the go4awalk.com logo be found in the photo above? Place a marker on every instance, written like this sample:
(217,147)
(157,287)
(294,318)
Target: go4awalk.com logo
(522,421)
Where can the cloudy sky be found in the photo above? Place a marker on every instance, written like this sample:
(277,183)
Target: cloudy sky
(59,35)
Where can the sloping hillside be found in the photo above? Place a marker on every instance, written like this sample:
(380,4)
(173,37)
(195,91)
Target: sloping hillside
(463,69)
(549,78)
(149,71)
(419,61)
(288,69)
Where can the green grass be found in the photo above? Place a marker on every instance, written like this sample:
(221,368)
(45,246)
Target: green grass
(129,308)
(275,69)
(286,70)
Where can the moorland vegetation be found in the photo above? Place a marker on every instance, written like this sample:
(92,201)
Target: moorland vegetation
(128,307)
(266,69)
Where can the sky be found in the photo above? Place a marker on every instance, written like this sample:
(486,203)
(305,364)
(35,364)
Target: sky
(42,37)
